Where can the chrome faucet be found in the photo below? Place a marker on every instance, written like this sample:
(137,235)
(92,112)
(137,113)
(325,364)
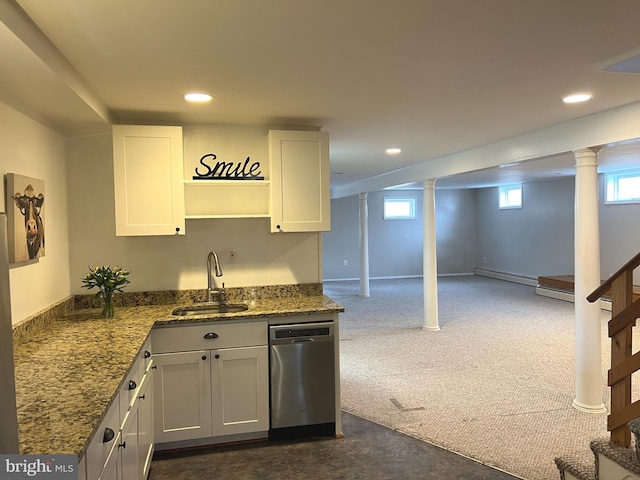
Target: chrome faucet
(214,295)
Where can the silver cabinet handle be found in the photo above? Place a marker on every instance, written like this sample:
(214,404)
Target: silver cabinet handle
(210,335)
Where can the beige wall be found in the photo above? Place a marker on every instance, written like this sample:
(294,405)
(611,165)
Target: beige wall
(31,149)
(80,224)
(179,262)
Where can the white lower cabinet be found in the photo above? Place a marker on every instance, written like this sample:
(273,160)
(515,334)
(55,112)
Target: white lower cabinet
(145,427)
(102,452)
(202,394)
(182,396)
(82,469)
(123,444)
(112,466)
(240,390)
(128,445)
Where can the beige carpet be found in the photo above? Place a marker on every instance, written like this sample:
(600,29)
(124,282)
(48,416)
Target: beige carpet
(495,383)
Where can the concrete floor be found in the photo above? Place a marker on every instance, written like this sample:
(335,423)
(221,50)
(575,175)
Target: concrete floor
(368,451)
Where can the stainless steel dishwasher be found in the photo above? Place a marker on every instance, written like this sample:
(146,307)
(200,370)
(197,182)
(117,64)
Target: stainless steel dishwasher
(302,387)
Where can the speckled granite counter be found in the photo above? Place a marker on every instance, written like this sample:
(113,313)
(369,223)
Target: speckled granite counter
(69,371)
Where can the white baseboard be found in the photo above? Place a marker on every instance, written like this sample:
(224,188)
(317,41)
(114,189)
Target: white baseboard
(509,277)
(325,280)
(396,277)
(370,278)
(567,296)
(468,274)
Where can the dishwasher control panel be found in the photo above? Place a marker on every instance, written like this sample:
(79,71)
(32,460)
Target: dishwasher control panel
(289,331)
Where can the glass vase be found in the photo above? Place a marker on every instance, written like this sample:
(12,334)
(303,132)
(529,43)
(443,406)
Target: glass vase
(107,309)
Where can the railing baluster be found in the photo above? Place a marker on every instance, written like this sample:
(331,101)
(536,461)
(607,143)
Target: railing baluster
(621,346)
(621,284)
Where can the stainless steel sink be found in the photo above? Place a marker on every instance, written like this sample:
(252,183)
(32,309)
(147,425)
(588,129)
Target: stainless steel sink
(204,309)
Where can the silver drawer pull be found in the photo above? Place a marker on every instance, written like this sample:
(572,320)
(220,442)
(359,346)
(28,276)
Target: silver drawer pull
(210,335)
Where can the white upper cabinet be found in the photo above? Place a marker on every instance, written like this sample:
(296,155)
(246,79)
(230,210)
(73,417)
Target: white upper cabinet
(148,176)
(300,195)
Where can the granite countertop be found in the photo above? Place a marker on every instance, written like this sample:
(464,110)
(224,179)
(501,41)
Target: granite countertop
(68,372)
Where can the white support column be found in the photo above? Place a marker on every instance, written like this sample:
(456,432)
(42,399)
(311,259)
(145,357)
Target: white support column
(587,279)
(364,246)
(429,260)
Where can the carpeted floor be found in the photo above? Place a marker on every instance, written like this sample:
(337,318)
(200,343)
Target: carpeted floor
(495,383)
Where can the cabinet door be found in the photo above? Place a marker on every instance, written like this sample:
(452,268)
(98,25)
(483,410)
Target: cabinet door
(104,443)
(145,425)
(300,196)
(82,469)
(182,396)
(128,447)
(112,466)
(148,179)
(241,390)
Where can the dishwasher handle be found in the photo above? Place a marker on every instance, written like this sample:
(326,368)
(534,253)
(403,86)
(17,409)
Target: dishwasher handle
(301,340)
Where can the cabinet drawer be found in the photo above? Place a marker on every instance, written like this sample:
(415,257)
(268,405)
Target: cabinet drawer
(128,392)
(144,358)
(132,382)
(219,335)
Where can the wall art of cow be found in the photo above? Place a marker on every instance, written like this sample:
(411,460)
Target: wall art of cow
(30,206)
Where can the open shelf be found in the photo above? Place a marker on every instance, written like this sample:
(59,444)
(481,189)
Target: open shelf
(226,198)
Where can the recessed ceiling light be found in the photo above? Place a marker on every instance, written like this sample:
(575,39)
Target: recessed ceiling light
(577,98)
(197,97)
(393,151)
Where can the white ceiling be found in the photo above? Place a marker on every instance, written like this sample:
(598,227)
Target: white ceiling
(432,77)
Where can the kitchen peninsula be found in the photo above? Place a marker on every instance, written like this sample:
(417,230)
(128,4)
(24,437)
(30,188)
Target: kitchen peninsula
(69,370)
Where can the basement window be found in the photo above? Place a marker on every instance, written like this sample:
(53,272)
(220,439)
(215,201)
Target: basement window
(623,187)
(510,196)
(399,208)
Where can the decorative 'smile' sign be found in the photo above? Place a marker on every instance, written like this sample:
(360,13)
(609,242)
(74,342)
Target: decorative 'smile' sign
(228,170)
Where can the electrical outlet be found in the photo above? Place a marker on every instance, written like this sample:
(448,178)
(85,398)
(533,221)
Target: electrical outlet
(484,259)
(231,256)
(346,263)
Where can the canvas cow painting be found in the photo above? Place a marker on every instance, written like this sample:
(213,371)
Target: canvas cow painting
(26,219)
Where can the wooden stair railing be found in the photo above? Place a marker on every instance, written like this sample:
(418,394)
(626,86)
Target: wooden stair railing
(624,312)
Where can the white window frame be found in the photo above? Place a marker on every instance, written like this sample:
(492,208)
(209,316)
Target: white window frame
(411,214)
(612,187)
(506,198)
